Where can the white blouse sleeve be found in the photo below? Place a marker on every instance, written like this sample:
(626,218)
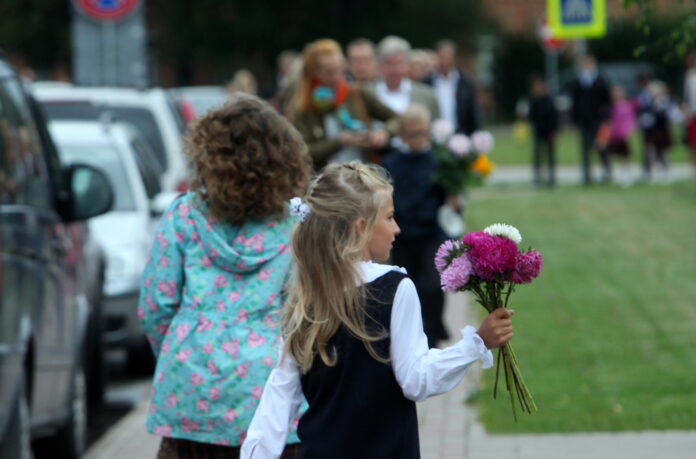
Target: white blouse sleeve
(270,426)
(423,372)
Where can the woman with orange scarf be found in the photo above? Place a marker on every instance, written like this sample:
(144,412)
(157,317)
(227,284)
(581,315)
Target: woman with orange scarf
(333,116)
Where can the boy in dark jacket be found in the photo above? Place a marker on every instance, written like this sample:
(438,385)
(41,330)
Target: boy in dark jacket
(543,117)
(417,198)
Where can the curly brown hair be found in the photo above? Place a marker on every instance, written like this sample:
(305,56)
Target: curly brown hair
(247,159)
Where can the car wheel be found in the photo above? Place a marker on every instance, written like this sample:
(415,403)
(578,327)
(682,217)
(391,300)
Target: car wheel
(72,437)
(24,422)
(96,361)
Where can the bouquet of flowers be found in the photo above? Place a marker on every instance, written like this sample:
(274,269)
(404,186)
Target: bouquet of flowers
(462,160)
(490,264)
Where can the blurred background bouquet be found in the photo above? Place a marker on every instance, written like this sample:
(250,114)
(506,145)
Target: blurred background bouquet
(462,160)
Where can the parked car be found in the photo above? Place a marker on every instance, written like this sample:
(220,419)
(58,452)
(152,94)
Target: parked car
(125,233)
(152,111)
(91,273)
(195,101)
(44,310)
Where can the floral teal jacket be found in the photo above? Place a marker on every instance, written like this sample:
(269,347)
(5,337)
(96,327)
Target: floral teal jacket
(209,305)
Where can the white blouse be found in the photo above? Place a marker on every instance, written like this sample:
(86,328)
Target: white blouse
(421,372)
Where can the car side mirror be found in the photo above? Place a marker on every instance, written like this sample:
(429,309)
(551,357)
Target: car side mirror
(161,202)
(90,192)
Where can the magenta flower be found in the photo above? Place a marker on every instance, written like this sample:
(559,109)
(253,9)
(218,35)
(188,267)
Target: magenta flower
(444,254)
(475,237)
(492,256)
(457,274)
(527,267)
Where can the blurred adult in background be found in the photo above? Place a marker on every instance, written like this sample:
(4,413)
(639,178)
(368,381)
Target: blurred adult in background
(591,108)
(362,62)
(335,117)
(395,89)
(690,103)
(456,92)
(242,81)
(420,69)
(543,117)
(284,63)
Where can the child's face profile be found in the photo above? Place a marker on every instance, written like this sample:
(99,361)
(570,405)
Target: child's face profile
(384,232)
(416,134)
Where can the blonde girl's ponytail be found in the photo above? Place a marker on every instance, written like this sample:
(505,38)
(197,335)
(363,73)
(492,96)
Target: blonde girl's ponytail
(327,291)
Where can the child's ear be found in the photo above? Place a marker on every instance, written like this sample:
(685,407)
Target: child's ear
(360,226)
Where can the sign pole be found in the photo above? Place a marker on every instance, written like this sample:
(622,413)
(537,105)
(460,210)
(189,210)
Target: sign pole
(551,64)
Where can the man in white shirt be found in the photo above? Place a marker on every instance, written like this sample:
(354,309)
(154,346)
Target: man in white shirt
(395,89)
(456,93)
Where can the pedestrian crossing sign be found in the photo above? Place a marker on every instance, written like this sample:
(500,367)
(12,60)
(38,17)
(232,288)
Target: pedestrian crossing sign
(577,18)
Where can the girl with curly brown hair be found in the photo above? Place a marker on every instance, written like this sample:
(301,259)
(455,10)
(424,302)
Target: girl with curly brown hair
(212,289)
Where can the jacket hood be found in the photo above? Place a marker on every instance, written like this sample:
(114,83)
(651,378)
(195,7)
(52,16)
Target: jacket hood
(236,249)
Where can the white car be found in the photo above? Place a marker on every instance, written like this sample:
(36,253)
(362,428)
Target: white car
(195,101)
(125,233)
(152,111)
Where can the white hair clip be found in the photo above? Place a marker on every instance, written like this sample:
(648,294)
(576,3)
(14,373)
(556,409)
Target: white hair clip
(299,209)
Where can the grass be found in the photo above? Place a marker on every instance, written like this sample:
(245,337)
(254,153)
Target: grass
(606,335)
(514,147)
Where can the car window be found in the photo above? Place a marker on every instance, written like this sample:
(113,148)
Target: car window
(108,159)
(148,170)
(141,119)
(25,178)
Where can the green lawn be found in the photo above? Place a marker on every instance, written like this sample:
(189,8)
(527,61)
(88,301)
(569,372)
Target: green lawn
(517,149)
(606,336)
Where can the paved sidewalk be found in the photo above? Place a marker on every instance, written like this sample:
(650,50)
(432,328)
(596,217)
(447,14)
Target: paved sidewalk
(567,174)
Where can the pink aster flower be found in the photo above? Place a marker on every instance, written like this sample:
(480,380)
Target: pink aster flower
(444,254)
(527,267)
(475,237)
(493,256)
(457,274)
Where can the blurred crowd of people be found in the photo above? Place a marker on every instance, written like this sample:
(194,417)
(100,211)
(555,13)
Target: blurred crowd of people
(607,117)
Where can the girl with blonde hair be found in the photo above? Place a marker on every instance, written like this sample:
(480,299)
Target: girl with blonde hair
(354,342)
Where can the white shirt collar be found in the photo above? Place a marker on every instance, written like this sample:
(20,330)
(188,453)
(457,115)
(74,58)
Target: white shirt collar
(371,271)
(451,76)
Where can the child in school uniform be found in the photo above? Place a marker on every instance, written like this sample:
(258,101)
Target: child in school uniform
(353,335)
(417,198)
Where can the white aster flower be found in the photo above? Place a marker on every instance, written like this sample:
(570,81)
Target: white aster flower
(442,130)
(459,144)
(508,231)
(483,141)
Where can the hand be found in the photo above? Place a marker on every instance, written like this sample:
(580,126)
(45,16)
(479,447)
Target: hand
(453,201)
(496,328)
(378,138)
(354,139)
